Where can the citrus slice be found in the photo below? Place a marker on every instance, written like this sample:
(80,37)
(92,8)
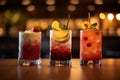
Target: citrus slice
(62,40)
(61,36)
(56,26)
(85,25)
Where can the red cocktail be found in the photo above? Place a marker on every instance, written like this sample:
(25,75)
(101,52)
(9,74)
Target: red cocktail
(60,47)
(29,47)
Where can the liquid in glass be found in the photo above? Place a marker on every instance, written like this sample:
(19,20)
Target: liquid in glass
(29,48)
(60,47)
(90,46)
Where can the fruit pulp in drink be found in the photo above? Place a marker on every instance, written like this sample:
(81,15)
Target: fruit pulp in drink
(90,45)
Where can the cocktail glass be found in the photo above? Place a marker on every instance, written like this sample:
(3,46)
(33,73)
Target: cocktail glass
(29,48)
(90,46)
(60,47)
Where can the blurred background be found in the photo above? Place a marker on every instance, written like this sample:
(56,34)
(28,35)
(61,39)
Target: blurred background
(19,15)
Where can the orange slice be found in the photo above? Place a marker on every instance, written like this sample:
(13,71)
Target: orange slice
(85,25)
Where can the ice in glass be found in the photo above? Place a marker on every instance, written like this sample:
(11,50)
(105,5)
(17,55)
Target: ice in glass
(60,45)
(90,46)
(29,47)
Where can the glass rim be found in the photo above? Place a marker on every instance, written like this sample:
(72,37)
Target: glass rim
(61,30)
(28,32)
(91,30)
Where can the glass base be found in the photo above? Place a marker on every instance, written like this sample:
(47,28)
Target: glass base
(90,62)
(29,62)
(60,63)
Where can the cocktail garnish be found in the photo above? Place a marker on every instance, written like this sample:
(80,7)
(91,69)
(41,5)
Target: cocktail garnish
(93,26)
(85,38)
(61,36)
(89,44)
(61,33)
(68,21)
(56,25)
(64,27)
(87,25)
(36,29)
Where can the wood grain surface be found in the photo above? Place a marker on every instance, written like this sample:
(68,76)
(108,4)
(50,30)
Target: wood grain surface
(10,70)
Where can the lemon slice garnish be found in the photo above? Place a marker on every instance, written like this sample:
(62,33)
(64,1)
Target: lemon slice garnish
(56,26)
(62,40)
(85,25)
(61,36)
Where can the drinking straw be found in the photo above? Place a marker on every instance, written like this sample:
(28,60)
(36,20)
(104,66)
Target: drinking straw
(68,20)
(89,17)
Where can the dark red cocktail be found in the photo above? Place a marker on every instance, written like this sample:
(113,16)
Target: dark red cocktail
(60,47)
(29,47)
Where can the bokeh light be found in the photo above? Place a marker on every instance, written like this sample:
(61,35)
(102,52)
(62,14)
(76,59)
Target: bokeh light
(110,16)
(118,16)
(102,16)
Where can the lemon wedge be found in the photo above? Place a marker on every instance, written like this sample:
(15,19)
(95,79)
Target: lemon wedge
(61,36)
(85,25)
(56,26)
(62,40)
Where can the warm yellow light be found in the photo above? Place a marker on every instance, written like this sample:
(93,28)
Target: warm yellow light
(51,8)
(118,31)
(44,25)
(110,16)
(118,16)
(118,1)
(15,17)
(50,2)
(91,7)
(102,16)
(1,31)
(75,2)
(71,7)
(31,8)
(3,2)
(26,2)
(98,2)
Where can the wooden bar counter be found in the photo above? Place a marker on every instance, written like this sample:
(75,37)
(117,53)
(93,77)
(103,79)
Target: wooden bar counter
(10,70)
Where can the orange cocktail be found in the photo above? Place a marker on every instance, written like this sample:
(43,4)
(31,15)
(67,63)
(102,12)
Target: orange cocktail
(90,46)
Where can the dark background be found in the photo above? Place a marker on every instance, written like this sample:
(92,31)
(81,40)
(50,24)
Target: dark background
(9,44)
